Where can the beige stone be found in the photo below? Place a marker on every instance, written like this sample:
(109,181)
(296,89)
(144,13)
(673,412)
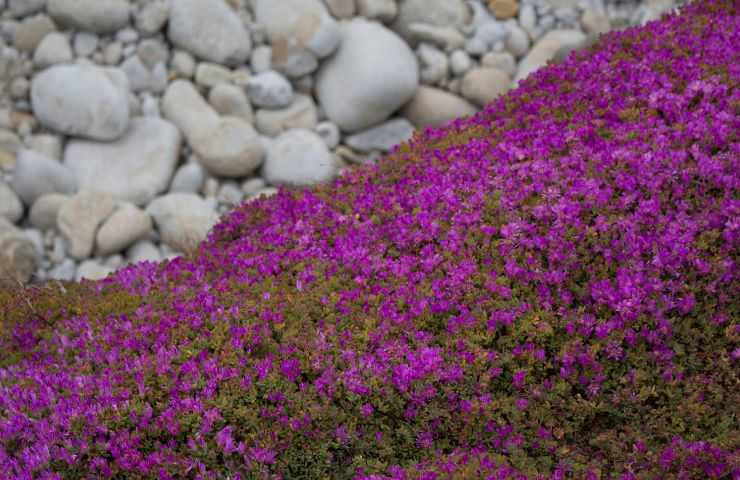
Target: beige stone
(482,85)
(503,9)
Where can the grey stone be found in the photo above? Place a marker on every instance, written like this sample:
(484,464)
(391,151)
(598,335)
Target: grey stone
(460,62)
(302,113)
(384,11)
(183,219)
(78,220)
(152,17)
(261,59)
(447,38)
(517,42)
(85,43)
(36,175)
(252,185)
(211,74)
(183,64)
(143,251)
(503,61)
(123,228)
(64,271)
(229,193)
(435,65)
(18,259)
(134,168)
(143,79)
(232,101)
(546,49)
(441,13)
(347,86)
(99,16)
(209,29)
(46,144)
(37,238)
(11,207)
(188,179)
(329,133)
(341,8)
(43,213)
(269,90)
(381,137)
(22,8)
(298,157)
(82,100)
(92,270)
(482,85)
(31,31)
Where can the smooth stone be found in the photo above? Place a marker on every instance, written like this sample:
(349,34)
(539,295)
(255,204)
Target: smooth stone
(266,192)
(503,9)
(38,240)
(18,258)
(114,261)
(22,8)
(188,178)
(183,219)
(433,107)
(134,168)
(460,62)
(482,85)
(143,251)
(381,137)
(53,49)
(46,144)
(92,270)
(85,43)
(79,218)
(269,90)
(209,29)
(99,16)
(546,49)
(36,175)
(59,247)
(435,64)
(252,185)
(304,24)
(152,17)
(595,21)
(503,61)
(491,32)
(261,59)
(122,229)
(447,38)
(183,64)
(210,74)
(31,31)
(347,84)
(82,100)
(302,113)
(11,207)
(142,78)
(298,157)
(384,11)
(231,100)
(44,211)
(341,8)
(329,133)
(64,271)
(226,146)
(10,141)
(229,194)
(517,43)
(440,13)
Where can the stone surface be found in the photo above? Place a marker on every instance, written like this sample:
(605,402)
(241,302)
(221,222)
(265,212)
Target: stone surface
(122,229)
(447,38)
(82,100)
(341,8)
(481,85)
(18,257)
(21,8)
(504,9)
(381,10)
(188,178)
(92,270)
(152,17)
(298,157)
(302,113)
(433,107)
(135,168)
(78,220)
(142,78)
(441,13)
(209,74)
(503,61)
(329,132)
(11,207)
(546,48)
(43,212)
(231,100)
(183,219)
(347,85)
(517,42)
(226,146)
(36,175)
(100,16)
(53,49)
(31,31)
(381,137)
(269,90)
(209,29)
(143,251)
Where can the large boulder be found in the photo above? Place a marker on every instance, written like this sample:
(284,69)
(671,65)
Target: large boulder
(372,74)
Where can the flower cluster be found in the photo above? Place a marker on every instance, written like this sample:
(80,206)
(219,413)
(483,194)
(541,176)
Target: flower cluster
(547,289)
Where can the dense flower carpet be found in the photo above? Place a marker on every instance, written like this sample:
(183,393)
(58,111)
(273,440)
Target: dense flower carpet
(545,290)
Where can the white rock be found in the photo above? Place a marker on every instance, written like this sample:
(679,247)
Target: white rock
(517,42)
(183,219)
(503,61)
(122,229)
(188,178)
(211,74)
(152,17)
(64,271)
(441,13)
(112,53)
(21,8)
(381,137)
(263,193)
(82,100)
(149,106)
(79,218)
(527,18)
(43,213)
(143,251)
(252,185)
(546,48)
(11,207)
(36,175)
(31,31)
(37,238)
(18,257)
(230,194)
(209,29)
(347,84)
(85,43)
(460,62)
(491,32)
(269,90)
(482,85)
(92,270)
(46,144)
(183,64)
(435,64)
(53,49)
(298,157)
(142,78)
(381,10)
(302,113)
(447,38)
(114,261)
(99,16)
(261,59)
(232,101)
(135,168)
(304,24)
(433,107)
(341,8)
(226,146)
(329,133)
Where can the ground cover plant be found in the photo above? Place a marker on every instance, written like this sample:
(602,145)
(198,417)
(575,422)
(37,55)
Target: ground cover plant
(547,289)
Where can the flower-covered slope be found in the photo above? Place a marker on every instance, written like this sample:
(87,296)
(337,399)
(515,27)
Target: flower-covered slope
(548,289)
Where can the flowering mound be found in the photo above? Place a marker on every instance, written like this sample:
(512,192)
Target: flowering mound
(548,289)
